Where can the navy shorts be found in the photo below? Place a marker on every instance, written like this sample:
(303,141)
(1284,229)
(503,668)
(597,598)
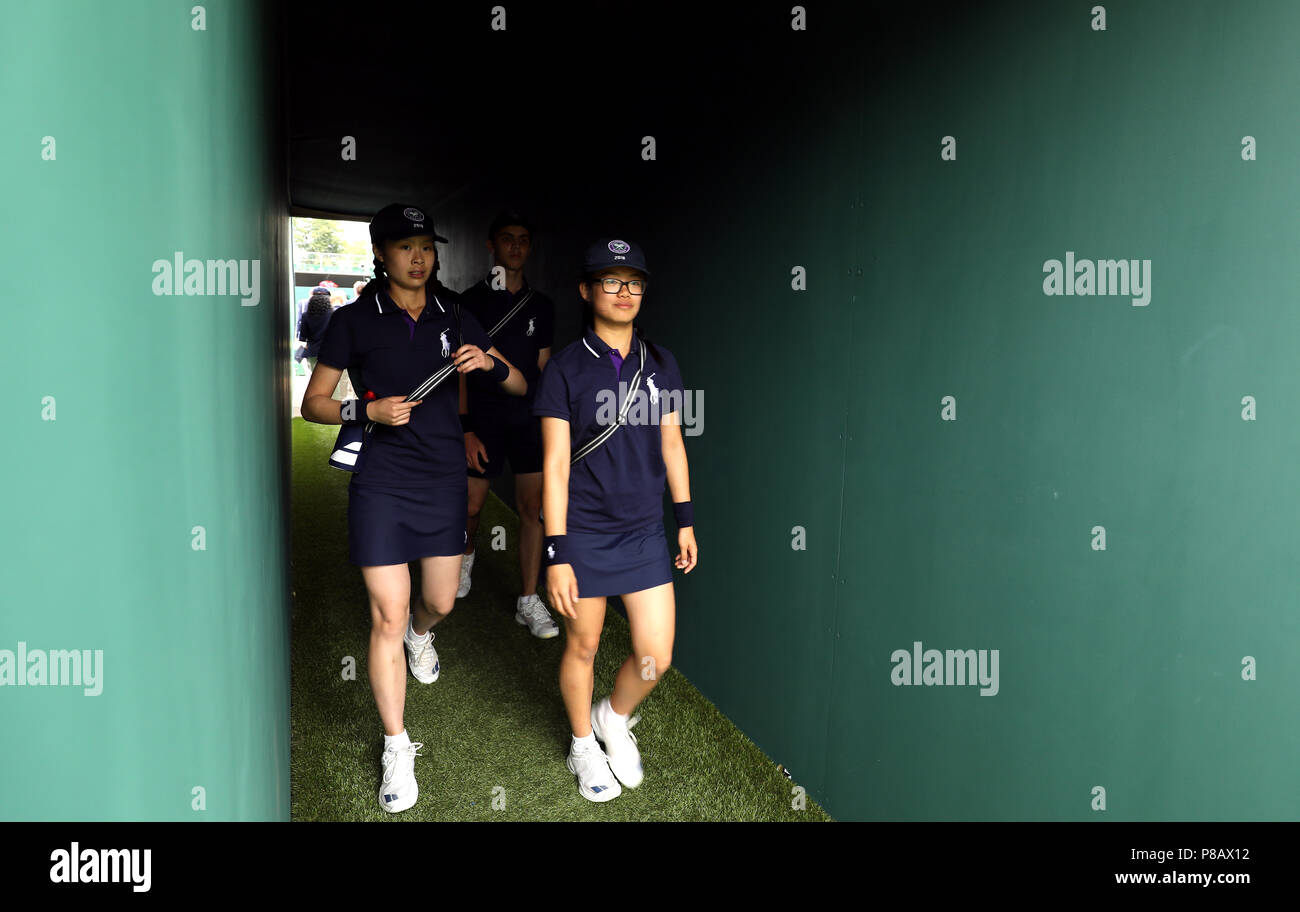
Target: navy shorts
(395,526)
(518,439)
(617,563)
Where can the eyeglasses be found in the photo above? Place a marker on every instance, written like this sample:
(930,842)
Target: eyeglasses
(612,285)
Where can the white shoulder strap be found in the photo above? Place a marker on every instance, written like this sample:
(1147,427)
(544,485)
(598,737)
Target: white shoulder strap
(598,441)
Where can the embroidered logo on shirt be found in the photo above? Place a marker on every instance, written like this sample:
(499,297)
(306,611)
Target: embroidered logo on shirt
(654,391)
(619,247)
(446,344)
(531,327)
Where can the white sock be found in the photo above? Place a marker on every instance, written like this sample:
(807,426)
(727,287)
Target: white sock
(396,742)
(609,708)
(586,743)
(412,635)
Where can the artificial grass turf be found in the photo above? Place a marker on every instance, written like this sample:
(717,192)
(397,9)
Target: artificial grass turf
(493,724)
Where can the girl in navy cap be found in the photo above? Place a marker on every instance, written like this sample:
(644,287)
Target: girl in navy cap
(407,501)
(603,514)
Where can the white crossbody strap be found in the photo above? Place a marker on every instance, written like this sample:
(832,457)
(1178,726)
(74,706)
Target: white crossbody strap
(514,310)
(596,442)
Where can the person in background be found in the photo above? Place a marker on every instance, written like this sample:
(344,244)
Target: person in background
(346,383)
(302,348)
(313,322)
(499,427)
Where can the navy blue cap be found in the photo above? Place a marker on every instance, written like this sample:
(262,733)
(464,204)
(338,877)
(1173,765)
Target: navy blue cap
(610,252)
(399,220)
(505,219)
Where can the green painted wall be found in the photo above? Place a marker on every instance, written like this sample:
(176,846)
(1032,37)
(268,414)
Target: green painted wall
(1119,668)
(166,414)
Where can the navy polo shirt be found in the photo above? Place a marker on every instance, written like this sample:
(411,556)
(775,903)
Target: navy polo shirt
(519,341)
(385,351)
(619,487)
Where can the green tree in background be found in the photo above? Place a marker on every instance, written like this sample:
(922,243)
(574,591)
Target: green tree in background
(357,245)
(326,236)
(318,235)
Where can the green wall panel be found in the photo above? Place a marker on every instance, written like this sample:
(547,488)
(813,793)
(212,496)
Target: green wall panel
(756,619)
(1118,668)
(165,415)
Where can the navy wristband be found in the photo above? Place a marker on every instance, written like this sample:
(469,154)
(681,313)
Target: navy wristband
(683,513)
(554,550)
(354,415)
(500,370)
(466,423)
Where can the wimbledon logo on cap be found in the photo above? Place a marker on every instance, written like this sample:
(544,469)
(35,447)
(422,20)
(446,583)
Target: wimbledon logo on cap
(619,247)
(413,214)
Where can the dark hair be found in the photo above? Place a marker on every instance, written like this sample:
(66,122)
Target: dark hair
(318,304)
(380,279)
(506,218)
(589,319)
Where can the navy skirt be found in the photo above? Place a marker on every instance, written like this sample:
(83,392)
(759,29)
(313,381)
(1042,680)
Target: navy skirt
(399,525)
(618,563)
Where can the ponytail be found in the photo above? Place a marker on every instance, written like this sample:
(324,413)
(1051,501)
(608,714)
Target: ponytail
(654,352)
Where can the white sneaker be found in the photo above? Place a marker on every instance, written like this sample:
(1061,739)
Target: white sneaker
(421,658)
(466,565)
(624,758)
(595,781)
(529,610)
(398,790)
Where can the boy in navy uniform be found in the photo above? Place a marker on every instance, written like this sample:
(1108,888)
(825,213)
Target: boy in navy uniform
(500,427)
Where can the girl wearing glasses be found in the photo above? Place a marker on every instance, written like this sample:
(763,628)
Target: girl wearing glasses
(603,514)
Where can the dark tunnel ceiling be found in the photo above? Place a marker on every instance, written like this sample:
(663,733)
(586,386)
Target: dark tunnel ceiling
(426,89)
(428,112)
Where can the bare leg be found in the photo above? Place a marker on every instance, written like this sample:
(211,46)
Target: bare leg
(440,577)
(390,596)
(576,666)
(478,491)
(528,498)
(652,617)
